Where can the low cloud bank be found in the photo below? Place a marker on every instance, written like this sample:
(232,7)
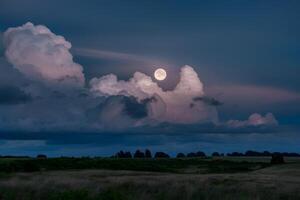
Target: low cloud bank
(255,120)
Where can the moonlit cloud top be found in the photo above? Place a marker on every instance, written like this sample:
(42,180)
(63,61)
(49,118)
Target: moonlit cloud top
(178,104)
(42,56)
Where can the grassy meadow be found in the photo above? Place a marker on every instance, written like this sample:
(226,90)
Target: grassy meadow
(143,179)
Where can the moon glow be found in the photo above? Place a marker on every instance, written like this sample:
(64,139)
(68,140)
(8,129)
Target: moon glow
(160,74)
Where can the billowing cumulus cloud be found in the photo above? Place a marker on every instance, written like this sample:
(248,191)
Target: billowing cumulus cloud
(42,56)
(170,106)
(38,98)
(255,120)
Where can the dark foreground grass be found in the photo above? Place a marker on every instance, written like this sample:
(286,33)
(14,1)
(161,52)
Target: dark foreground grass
(155,165)
(147,187)
(146,179)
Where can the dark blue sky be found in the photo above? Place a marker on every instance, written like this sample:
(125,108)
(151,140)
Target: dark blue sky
(245,52)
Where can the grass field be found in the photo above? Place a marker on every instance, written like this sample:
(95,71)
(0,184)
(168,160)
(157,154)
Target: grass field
(142,179)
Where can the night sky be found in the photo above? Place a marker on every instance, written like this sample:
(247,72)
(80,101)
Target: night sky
(76,78)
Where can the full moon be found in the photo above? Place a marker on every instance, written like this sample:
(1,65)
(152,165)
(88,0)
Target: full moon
(160,74)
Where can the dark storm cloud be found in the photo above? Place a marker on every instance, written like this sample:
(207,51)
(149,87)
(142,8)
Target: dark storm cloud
(208,100)
(9,75)
(142,135)
(122,106)
(208,128)
(10,95)
(135,109)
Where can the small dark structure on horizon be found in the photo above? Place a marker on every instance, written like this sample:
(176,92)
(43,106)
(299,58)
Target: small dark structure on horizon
(277,158)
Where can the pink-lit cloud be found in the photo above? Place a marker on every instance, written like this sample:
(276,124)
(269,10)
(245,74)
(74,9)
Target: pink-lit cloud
(254,120)
(42,56)
(175,106)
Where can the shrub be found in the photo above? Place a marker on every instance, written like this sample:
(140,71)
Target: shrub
(122,154)
(139,154)
(41,156)
(180,155)
(161,155)
(277,158)
(215,154)
(148,153)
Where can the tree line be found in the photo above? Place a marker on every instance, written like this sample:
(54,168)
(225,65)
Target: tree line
(200,154)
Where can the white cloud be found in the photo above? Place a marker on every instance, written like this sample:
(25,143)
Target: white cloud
(42,56)
(255,120)
(175,106)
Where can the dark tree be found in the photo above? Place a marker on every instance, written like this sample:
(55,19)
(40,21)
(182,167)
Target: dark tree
(191,155)
(197,154)
(180,155)
(139,154)
(290,154)
(200,154)
(122,154)
(266,153)
(237,154)
(215,154)
(127,154)
(41,156)
(253,153)
(161,155)
(277,158)
(148,153)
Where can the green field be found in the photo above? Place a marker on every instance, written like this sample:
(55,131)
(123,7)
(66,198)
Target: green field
(112,179)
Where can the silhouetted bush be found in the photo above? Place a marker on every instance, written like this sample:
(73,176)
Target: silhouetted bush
(127,154)
(180,155)
(122,154)
(235,154)
(262,154)
(41,156)
(257,154)
(266,153)
(29,166)
(215,154)
(291,154)
(195,155)
(251,153)
(200,154)
(139,154)
(277,158)
(148,153)
(161,155)
(191,155)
